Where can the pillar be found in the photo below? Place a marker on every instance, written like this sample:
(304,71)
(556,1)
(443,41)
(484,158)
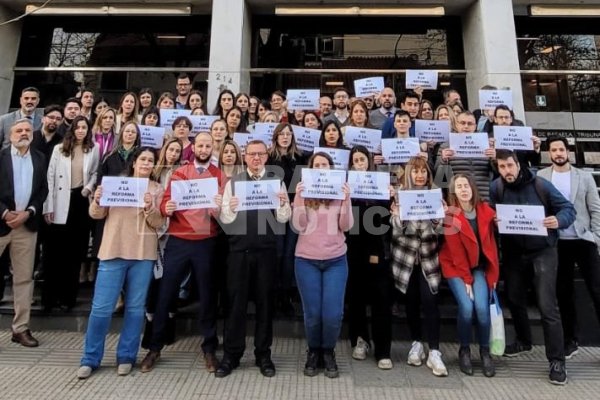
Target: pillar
(10,36)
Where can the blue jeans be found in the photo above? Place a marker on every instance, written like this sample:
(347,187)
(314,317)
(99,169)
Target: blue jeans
(322,284)
(480,304)
(113,275)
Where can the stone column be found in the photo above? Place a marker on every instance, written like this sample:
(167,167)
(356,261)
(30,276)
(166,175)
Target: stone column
(230,46)
(491,56)
(10,36)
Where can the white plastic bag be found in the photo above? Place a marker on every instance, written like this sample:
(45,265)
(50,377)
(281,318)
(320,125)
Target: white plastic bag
(497,335)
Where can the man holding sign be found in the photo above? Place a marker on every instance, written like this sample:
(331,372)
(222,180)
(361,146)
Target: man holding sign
(252,226)
(504,116)
(526,256)
(192,232)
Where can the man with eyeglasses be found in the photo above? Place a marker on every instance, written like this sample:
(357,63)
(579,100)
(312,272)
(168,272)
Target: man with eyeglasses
(481,169)
(251,263)
(45,138)
(340,113)
(184,85)
(504,116)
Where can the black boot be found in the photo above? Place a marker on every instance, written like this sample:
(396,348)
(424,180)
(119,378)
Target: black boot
(331,368)
(464,360)
(147,338)
(487,363)
(312,361)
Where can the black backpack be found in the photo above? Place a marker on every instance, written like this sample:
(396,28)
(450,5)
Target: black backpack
(539,189)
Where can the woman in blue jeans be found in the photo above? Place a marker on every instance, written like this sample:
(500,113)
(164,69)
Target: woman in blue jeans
(321,268)
(127,255)
(469,260)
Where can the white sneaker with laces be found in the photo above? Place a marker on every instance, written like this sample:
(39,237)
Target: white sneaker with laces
(435,363)
(385,363)
(124,369)
(84,372)
(361,349)
(416,355)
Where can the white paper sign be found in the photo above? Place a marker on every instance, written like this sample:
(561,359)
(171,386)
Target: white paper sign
(513,137)
(152,136)
(241,139)
(257,195)
(420,204)
(515,219)
(202,123)
(264,128)
(340,157)
(123,191)
(368,86)
(307,99)
(469,145)
(194,193)
(397,150)
(266,138)
(323,183)
(370,138)
(426,79)
(369,185)
(438,131)
(306,139)
(490,99)
(168,116)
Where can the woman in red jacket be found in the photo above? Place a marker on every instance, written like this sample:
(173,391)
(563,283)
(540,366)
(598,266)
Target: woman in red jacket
(469,260)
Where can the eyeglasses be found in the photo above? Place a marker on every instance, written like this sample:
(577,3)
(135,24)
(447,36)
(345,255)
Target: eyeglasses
(285,134)
(182,126)
(256,154)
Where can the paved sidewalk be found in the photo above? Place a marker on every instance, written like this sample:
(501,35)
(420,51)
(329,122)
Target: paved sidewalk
(48,372)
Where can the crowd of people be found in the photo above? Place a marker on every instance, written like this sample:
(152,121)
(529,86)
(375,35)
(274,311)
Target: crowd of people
(341,255)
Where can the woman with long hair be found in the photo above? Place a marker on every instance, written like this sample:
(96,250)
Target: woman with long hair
(194,100)
(151,116)
(416,269)
(444,113)
(235,122)
(182,126)
(263,107)
(369,273)
(253,109)
(331,136)
(166,101)
(321,268)
(230,159)
(128,110)
(146,96)
(126,255)
(242,101)
(469,260)
(218,131)
(104,131)
(425,110)
(224,103)
(71,179)
(312,120)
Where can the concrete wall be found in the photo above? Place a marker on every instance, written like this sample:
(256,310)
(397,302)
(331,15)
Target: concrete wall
(10,36)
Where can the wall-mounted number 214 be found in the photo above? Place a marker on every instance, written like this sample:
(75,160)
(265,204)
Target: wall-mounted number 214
(224,78)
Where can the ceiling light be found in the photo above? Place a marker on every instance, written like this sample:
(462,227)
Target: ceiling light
(430,11)
(550,49)
(564,11)
(171,37)
(145,9)
(334,83)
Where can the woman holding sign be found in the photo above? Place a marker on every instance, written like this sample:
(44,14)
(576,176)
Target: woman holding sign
(322,268)
(151,116)
(416,269)
(469,259)
(126,255)
(369,275)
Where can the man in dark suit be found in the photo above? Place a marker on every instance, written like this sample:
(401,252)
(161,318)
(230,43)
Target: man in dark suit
(23,190)
(29,100)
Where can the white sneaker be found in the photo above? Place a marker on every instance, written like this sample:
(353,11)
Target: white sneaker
(416,355)
(385,363)
(360,350)
(435,363)
(84,372)
(124,369)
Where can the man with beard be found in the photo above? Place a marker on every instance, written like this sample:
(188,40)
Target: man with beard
(184,85)
(47,137)
(579,242)
(251,265)
(530,257)
(504,116)
(409,102)
(387,100)
(71,110)
(23,189)
(325,106)
(340,104)
(29,100)
(192,234)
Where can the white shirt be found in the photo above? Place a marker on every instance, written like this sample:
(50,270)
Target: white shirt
(22,178)
(562,182)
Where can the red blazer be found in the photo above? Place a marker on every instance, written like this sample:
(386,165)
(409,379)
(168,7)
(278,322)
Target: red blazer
(193,224)
(460,250)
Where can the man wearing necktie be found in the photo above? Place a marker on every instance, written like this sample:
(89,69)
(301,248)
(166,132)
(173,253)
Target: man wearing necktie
(387,101)
(29,100)
(251,263)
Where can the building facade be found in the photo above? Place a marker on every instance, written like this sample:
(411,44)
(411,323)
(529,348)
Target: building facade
(546,51)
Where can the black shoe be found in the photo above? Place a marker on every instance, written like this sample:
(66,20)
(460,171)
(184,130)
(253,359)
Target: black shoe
(312,362)
(464,360)
(558,373)
(487,363)
(571,349)
(225,367)
(147,338)
(516,348)
(267,368)
(331,368)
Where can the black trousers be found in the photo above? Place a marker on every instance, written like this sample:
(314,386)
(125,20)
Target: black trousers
(419,295)
(370,284)
(65,248)
(541,268)
(250,273)
(585,254)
